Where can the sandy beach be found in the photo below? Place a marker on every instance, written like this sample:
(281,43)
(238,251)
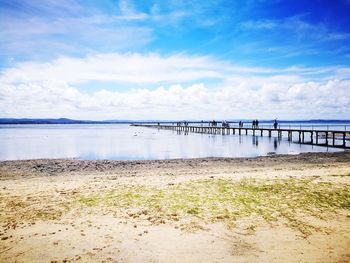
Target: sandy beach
(279,208)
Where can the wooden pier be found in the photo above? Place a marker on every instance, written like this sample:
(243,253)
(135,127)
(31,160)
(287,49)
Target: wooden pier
(329,138)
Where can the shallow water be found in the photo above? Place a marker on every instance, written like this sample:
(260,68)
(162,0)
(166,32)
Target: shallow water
(123,142)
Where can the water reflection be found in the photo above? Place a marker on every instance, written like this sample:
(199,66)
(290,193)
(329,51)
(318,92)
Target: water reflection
(123,142)
(240,138)
(255,141)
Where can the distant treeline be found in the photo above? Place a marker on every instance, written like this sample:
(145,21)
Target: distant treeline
(48,121)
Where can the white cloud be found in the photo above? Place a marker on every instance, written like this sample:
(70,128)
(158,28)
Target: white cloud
(127,68)
(298,26)
(261,24)
(128,12)
(152,68)
(46,36)
(44,29)
(305,100)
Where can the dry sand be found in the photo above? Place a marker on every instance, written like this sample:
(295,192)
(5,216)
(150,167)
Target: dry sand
(59,211)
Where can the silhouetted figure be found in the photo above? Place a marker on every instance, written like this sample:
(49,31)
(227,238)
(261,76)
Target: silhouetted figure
(253,124)
(256,123)
(275,124)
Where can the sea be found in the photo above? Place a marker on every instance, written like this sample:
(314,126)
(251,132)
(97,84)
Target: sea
(125,142)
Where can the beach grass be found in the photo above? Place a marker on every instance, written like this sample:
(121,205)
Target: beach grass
(341,175)
(212,200)
(292,201)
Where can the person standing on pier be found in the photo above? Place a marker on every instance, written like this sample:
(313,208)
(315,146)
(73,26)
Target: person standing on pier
(253,124)
(256,123)
(275,124)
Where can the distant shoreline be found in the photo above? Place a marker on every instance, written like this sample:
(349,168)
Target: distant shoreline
(6,121)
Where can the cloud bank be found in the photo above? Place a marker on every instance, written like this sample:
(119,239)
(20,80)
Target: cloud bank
(170,87)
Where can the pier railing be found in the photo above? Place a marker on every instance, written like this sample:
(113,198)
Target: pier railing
(321,137)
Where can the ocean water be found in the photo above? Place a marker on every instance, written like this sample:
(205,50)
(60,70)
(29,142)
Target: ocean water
(124,142)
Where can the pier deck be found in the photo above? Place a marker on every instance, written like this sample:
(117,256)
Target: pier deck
(329,138)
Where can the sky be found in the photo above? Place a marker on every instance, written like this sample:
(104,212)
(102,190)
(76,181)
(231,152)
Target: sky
(176,60)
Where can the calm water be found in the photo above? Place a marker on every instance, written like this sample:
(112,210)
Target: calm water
(123,142)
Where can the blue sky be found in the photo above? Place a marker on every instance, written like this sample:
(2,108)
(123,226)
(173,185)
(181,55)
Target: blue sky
(155,59)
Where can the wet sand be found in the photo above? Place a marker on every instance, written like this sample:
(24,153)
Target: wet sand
(118,211)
